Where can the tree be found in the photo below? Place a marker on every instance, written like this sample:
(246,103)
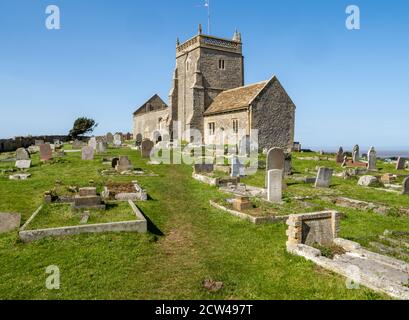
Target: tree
(82,126)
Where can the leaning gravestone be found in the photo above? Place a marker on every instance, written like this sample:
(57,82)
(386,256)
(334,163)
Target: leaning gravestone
(23,164)
(400,165)
(45,152)
(372,159)
(405,186)
(9,222)
(88,153)
(93,143)
(275,161)
(274,185)
(123,164)
(146,148)
(340,155)
(324,177)
(22,154)
(110,138)
(355,154)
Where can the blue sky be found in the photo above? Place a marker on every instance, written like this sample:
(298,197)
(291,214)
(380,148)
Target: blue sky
(110,56)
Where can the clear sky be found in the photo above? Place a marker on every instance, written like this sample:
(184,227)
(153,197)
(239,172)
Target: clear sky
(110,56)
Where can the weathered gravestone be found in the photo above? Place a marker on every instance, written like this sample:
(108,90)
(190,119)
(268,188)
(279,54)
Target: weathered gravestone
(355,154)
(313,228)
(139,140)
(88,153)
(400,165)
(9,222)
(339,158)
(22,154)
(275,185)
(237,168)
(118,139)
(77,145)
(101,147)
(275,161)
(324,177)
(372,159)
(123,164)
(110,138)
(46,152)
(23,164)
(93,143)
(146,148)
(405,186)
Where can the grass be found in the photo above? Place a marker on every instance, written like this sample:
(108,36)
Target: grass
(61,215)
(188,241)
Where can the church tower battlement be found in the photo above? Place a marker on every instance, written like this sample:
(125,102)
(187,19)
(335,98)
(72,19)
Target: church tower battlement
(205,66)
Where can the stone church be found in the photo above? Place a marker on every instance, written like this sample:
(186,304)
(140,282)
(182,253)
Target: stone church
(208,94)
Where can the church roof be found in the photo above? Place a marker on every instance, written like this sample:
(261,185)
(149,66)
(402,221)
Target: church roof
(155,103)
(236,99)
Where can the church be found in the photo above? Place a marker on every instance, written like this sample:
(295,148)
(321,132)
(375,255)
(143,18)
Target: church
(209,96)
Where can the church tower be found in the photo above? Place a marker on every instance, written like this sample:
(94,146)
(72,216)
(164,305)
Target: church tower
(205,66)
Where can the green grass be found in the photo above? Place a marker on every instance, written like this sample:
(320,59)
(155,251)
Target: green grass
(61,215)
(189,241)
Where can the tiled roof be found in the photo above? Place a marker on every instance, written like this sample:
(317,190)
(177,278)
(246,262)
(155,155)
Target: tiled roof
(155,104)
(235,99)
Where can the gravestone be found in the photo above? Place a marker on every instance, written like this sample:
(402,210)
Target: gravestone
(110,138)
(88,198)
(23,164)
(101,147)
(275,185)
(372,159)
(324,177)
(9,222)
(77,144)
(405,186)
(275,161)
(118,139)
(139,140)
(22,154)
(146,148)
(400,165)
(355,154)
(38,142)
(345,162)
(45,152)
(93,143)
(245,146)
(241,203)
(88,153)
(114,162)
(339,158)
(237,168)
(123,164)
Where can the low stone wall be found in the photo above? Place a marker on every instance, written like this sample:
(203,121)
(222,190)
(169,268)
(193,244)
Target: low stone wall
(9,145)
(139,225)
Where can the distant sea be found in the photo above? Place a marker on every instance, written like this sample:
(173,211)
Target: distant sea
(383,153)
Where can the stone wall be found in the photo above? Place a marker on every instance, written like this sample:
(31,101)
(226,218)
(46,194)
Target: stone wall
(225,121)
(8,145)
(273,114)
(151,123)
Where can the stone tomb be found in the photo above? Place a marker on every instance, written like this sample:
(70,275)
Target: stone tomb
(22,154)
(146,148)
(275,185)
(87,153)
(324,177)
(9,222)
(46,153)
(313,228)
(123,164)
(87,198)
